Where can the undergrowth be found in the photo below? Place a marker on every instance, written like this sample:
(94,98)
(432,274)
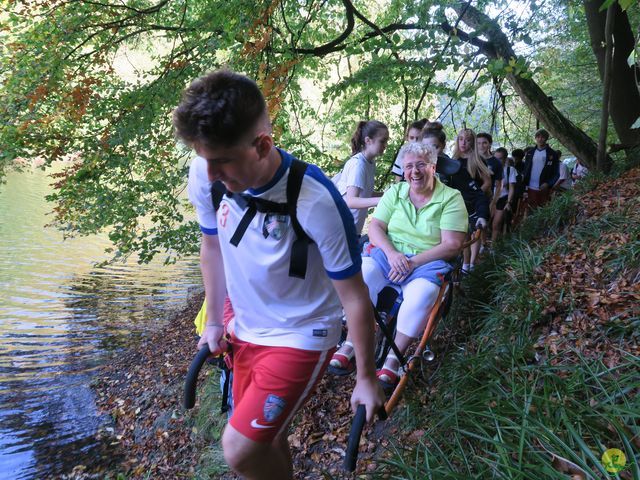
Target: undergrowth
(499,409)
(209,422)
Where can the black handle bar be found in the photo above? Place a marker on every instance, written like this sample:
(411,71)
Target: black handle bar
(192,376)
(351,456)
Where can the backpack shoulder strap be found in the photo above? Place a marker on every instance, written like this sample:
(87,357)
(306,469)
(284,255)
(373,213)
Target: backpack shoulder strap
(217,192)
(298,265)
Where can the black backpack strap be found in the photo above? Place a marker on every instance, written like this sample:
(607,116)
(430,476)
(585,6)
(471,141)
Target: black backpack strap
(253,206)
(299,251)
(244,224)
(217,192)
(224,406)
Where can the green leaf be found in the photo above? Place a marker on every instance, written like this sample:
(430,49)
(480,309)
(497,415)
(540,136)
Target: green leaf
(606,4)
(624,4)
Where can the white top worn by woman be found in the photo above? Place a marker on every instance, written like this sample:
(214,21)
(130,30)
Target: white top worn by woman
(358,172)
(509,175)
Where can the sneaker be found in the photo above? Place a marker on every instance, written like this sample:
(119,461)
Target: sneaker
(342,362)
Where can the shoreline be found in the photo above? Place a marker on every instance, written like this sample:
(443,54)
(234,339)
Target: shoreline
(153,436)
(141,390)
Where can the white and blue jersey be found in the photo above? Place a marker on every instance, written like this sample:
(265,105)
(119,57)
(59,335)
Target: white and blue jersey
(271,308)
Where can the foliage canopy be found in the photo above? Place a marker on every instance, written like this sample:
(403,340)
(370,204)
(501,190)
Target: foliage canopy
(95,81)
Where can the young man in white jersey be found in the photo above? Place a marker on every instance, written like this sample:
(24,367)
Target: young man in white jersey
(285,328)
(541,170)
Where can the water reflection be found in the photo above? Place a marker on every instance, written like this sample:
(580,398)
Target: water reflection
(59,320)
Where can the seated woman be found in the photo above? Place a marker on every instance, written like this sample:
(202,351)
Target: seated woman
(417,227)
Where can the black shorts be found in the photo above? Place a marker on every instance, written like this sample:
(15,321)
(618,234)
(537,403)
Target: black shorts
(502,201)
(473,218)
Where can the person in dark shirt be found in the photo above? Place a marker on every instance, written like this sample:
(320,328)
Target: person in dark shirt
(518,159)
(454,174)
(477,176)
(518,163)
(484,142)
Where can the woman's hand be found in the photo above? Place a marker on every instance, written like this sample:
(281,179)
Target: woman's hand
(401,267)
(398,261)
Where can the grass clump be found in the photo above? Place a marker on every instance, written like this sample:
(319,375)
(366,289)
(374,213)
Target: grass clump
(209,424)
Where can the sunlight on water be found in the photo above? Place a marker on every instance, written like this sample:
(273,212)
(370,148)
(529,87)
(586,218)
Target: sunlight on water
(60,319)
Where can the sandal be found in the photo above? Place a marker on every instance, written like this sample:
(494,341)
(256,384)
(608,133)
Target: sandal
(343,363)
(387,374)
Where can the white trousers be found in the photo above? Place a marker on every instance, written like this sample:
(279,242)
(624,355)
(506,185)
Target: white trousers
(419,295)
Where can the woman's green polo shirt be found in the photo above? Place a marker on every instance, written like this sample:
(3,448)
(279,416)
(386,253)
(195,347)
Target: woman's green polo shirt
(414,231)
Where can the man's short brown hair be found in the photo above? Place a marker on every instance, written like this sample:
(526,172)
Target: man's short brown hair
(543,133)
(219,109)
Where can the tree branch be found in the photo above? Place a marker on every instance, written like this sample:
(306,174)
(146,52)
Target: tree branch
(331,46)
(485,48)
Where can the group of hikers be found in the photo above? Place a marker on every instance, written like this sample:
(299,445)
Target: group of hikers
(283,258)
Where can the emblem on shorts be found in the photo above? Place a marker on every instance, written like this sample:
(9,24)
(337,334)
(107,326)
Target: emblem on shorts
(320,332)
(255,424)
(273,407)
(275,225)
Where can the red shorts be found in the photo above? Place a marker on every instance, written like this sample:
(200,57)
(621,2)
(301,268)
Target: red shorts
(537,198)
(227,312)
(270,384)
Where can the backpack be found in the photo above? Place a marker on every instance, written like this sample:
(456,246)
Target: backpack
(253,205)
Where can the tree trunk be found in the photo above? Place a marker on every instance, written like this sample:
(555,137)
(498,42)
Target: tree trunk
(499,47)
(624,105)
(603,165)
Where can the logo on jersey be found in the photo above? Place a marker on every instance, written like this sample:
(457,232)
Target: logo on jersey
(224,212)
(275,225)
(273,407)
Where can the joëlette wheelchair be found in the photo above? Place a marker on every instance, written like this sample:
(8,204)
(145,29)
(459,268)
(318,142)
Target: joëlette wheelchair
(386,311)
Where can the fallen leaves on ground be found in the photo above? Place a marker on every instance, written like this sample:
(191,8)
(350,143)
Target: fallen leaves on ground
(583,302)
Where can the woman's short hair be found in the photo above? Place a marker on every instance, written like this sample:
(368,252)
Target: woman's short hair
(421,150)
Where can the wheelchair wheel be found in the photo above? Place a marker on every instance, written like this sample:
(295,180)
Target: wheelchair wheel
(386,314)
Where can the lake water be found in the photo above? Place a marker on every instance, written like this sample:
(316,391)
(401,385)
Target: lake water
(60,319)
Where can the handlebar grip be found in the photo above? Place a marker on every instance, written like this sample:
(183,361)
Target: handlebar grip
(192,376)
(353,443)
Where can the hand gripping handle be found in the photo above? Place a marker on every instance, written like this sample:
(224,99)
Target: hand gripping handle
(351,456)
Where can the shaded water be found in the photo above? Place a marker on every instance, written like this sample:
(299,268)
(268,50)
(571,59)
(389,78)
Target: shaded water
(60,319)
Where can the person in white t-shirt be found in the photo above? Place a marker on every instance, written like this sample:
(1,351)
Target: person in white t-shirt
(540,170)
(564,178)
(578,172)
(506,194)
(356,181)
(285,328)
